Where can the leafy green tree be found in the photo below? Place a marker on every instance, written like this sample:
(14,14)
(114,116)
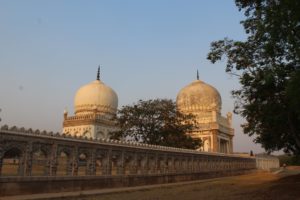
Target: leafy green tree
(156,122)
(267,64)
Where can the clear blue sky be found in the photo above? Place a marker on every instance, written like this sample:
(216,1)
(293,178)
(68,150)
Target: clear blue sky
(148,49)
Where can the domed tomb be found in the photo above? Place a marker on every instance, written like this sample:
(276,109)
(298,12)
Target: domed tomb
(204,102)
(95,97)
(95,105)
(199,96)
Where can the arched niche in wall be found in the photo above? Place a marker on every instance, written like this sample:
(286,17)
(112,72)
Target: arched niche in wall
(82,164)
(64,162)
(11,162)
(39,163)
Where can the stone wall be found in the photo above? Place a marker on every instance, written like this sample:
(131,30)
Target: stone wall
(31,185)
(267,162)
(38,161)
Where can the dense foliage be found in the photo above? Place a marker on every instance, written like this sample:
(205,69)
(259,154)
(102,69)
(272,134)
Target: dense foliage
(267,64)
(156,122)
(289,160)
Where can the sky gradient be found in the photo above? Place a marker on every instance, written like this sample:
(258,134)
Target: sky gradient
(147,49)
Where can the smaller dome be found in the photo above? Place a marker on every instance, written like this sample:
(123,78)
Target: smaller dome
(95,97)
(198,96)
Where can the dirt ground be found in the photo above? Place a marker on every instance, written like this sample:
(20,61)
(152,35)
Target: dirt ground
(281,185)
(261,185)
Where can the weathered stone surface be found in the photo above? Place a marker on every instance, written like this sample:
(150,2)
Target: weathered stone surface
(32,185)
(47,162)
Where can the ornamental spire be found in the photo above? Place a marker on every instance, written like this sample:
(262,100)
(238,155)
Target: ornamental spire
(98,73)
(197,75)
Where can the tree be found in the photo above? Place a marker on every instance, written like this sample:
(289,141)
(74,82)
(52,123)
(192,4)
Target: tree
(267,64)
(156,122)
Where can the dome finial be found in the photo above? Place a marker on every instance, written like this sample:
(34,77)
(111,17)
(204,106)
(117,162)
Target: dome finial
(197,74)
(98,73)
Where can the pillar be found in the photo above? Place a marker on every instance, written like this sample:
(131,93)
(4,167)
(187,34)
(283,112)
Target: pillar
(1,159)
(92,163)
(214,142)
(230,144)
(121,164)
(26,167)
(106,164)
(74,163)
(53,161)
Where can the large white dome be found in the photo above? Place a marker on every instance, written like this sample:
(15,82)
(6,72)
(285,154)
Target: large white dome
(198,96)
(95,97)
